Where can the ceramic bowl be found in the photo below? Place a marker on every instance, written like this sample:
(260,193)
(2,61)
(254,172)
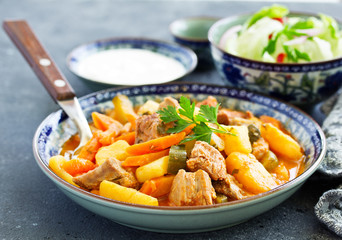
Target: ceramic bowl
(193,33)
(297,83)
(57,128)
(131,70)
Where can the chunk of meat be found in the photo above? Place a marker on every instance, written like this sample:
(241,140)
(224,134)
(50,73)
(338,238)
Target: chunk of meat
(260,147)
(149,127)
(110,170)
(230,187)
(191,189)
(169,101)
(226,116)
(210,100)
(207,158)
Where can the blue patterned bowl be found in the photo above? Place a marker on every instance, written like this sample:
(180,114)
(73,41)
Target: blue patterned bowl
(57,128)
(297,83)
(183,55)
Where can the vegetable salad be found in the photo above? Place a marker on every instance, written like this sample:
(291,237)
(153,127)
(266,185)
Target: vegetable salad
(272,35)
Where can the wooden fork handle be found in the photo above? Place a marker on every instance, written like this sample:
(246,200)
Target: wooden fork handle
(42,64)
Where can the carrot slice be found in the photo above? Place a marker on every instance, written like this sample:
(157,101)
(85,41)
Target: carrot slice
(157,187)
(101,121)
(90,149)
(189,128)
(132,117)
(78,166)
(156,145)
(128,137)
(107,137)
(140,160)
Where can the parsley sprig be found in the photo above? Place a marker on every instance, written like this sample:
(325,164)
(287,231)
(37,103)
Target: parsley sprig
(185,116)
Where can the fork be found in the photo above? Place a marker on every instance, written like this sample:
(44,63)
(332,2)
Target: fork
(48,73)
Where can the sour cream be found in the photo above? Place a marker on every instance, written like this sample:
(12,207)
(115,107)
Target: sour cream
(130,67)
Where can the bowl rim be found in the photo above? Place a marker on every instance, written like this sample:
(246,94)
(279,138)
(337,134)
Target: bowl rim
(114,40)
(192,18)
(296,13)
(177,209)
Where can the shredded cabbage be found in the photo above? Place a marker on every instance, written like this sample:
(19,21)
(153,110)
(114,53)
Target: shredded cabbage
(270,34)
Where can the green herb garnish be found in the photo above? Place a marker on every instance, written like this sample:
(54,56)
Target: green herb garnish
(271,46)
(295,54)
(289,31)
(204,121)
(304,24)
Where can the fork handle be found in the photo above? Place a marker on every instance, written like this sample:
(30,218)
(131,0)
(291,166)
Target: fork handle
(42,64)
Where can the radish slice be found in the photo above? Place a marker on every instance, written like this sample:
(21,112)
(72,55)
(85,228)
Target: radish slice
(298,40)
(310,32)
(231,31)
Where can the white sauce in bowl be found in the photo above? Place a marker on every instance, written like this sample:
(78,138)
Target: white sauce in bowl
(130,67)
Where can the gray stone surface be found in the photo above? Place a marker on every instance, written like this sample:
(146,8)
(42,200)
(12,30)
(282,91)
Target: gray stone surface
(31,206)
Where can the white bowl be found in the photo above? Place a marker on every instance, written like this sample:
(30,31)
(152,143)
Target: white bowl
(131,61)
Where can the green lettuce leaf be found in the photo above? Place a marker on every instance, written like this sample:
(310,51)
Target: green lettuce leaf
(274,11)
(331,25)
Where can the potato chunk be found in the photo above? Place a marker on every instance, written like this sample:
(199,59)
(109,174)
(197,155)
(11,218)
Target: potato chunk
(217,142)
(116,150)
(239,142)
(281,143)
(250,172)
(123,109)
(148,107)
(151,170)
(56,163)
(116,192)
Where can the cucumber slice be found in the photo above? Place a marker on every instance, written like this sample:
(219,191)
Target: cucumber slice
(177,159)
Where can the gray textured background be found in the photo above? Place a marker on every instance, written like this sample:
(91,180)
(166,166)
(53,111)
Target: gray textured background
(31,206)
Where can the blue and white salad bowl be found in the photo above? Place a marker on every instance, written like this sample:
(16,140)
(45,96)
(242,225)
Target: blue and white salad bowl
(297,83)
(57,128)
